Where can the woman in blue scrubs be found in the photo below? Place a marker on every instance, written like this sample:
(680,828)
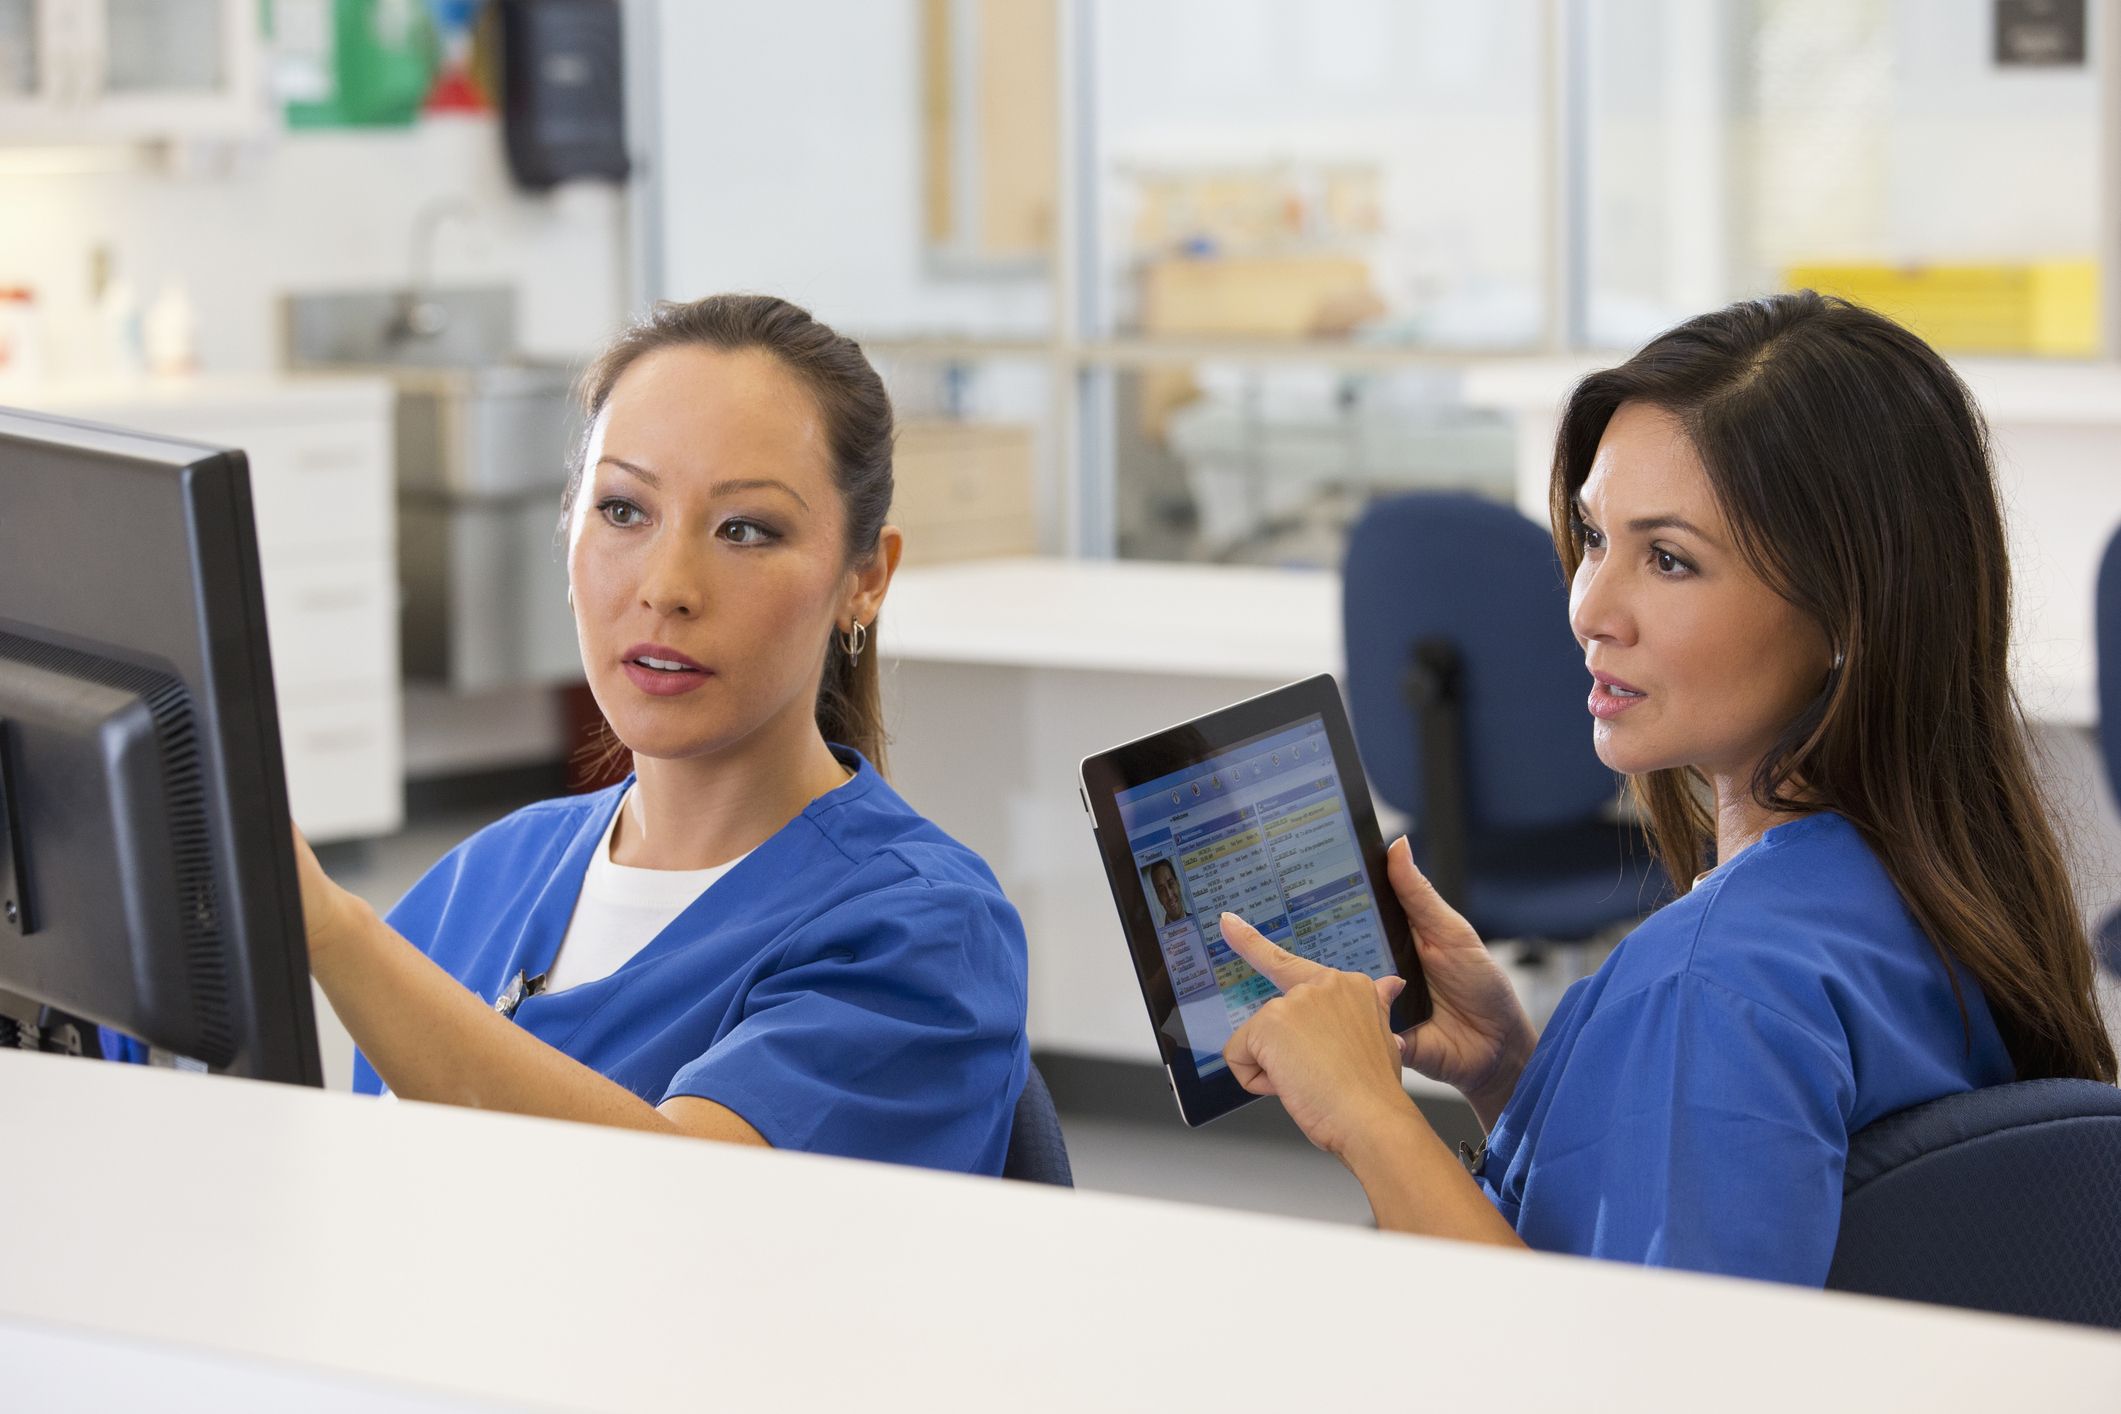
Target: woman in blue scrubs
(1790,583)
(753,938)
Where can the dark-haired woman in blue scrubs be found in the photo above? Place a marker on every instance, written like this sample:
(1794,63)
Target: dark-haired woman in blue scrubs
(753,938)
(1790,585)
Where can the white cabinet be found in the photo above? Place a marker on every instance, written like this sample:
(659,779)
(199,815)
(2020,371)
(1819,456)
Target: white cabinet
(126,70)
(321,490)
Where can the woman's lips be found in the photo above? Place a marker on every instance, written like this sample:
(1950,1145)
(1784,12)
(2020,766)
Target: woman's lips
(659,683)
(1607,703)
(675,672)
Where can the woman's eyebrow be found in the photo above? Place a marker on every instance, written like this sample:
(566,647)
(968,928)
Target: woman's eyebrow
(720,488)
(757,483)
(642,472)
(1668,521)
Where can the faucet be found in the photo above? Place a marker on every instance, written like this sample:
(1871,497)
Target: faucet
(419,314)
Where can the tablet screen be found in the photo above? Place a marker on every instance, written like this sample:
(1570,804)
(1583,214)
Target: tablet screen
(1261,830)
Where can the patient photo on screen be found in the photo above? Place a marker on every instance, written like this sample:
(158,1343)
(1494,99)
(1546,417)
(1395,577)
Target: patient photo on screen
(1162,879)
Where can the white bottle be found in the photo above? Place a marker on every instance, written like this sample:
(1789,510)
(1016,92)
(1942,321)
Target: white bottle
(169,334)
(118,315)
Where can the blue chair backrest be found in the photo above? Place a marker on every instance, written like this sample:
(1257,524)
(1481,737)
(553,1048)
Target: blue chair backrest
(1440,565)
(1037,1152)
(2005,1199)
(2106,635)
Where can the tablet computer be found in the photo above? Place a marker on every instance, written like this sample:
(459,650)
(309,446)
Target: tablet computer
(1260,809)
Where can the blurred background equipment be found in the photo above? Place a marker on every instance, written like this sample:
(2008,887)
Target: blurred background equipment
(483,442)
(562,90)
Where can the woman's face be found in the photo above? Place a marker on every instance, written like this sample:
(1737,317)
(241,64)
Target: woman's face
(706,552)
(1695,660)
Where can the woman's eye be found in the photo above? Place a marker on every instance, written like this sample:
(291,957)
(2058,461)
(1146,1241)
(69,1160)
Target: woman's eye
(620,512)
(1589,538)
(1669,563)
(746,532)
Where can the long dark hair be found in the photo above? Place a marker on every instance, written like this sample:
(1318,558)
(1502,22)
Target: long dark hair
(859,430)
(1853,469)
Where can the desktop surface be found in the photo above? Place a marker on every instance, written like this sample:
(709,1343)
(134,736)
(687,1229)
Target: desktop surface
(476,1257)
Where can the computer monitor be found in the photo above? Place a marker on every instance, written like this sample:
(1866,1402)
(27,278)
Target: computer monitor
(147,874)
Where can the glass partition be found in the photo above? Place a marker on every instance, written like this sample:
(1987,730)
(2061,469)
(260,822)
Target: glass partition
(1363,170)
(1270,463)
(1900,152)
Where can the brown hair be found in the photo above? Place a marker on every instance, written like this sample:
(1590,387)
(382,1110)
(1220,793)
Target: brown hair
(859,431)
(1853,469)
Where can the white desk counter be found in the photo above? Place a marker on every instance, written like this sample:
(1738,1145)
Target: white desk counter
(261,1243)
(1164,620)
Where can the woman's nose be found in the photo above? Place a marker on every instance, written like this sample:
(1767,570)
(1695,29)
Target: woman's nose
(1597,605)
(670,583)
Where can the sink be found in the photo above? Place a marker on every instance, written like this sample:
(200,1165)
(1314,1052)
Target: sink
(475,418)
(483,437)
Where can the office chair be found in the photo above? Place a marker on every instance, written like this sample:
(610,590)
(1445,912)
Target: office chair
(1037,1151)
(2005,1199)
(1466,690)
(2106,637)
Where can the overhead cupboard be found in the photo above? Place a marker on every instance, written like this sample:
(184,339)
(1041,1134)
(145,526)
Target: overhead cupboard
(129,70)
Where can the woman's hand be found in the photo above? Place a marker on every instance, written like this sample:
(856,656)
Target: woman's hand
(329,912)
(1325,1045)
(1479,1037)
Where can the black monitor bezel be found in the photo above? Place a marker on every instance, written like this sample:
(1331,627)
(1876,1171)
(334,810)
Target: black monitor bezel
(238,724)
(1107,773)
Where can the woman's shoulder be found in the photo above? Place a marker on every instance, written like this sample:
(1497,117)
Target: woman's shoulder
(1807,923)
(1813,870)
(891,844)
(514,852)
(541,822)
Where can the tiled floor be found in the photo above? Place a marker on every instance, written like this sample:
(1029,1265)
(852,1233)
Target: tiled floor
(1255,1160)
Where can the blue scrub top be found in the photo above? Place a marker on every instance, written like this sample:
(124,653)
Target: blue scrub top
(1690,1104)
(855,985)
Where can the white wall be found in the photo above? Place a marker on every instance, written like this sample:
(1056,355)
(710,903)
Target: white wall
(312,210)
(791,151)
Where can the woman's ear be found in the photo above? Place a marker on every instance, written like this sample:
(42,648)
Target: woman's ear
(873,579)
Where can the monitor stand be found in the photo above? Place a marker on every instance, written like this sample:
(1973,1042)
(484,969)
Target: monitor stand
(29,1025)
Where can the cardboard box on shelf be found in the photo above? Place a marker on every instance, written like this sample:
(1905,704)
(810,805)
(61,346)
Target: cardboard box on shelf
(1286,296)
(964,490)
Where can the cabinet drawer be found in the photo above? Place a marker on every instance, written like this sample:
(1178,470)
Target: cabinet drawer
(331,621)
(345,765)
(319,486)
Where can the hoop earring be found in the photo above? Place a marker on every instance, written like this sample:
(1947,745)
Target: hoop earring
(1839,659)
(570,596)
(853,641)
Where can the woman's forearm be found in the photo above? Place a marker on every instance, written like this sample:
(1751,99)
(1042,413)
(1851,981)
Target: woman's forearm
(430,1039)
(1416,1184)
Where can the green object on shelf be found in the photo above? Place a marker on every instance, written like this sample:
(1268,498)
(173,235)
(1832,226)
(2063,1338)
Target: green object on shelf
(384,54)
